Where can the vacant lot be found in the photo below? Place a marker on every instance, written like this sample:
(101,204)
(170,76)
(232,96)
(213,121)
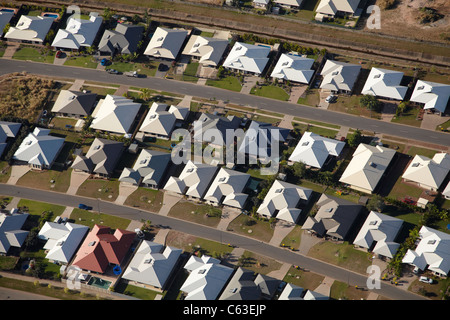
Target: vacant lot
(146,199)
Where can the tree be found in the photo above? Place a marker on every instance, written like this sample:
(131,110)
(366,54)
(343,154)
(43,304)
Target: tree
(376,203)
(145,94)
(355,138)
(370,102)
(298,169)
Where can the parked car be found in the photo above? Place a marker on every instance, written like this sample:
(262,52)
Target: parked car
(84,207)
(59,54)
(426,280)
(132,74)
(104,62)
(163,67)
(331,98)
(112,71)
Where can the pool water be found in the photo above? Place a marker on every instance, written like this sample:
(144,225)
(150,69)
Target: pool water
(51,15)
(100,283)
(6,10)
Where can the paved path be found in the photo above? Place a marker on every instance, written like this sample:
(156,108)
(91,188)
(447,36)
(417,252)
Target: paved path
(249,83)
(76,180)
(125,189)
(286,122)
(431,121)
(325,287)
(280,273)
(10,50)
(282,229)
(228,215)
(307,241)
(296,93)
(13,203)
(76,86)
(342,133)
(67,212)
(169,201)
(122,90)
(17,171)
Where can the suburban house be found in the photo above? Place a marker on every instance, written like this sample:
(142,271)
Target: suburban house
(428,173)
(228,188)
(74,104)
(193,181)
(123,40)
(115,114)
(205,50)
(334,217)
(431,253)
(5,18)
(39,149)
(212,123)
(8,131)
(313,295)
(367,167)
(433,95)
(259,139)
(291,292)
(385,83)
(284,201)
(101,249)
(152,265)
(11,234)
(78,33)
(207,278)
(446,192)
(148,170)
(166,43)
(246,285)
(336,8)
(249,58)
(261,4)
(30,29)
(101,158)
(378,234)
(314,150)
(290,4)
(339,77)
(62,240)
(162,118)
(294,68)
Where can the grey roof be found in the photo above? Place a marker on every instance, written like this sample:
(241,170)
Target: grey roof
(242,286)
(101,158)
(258,139)
(212,121)
(11,234)
(7,130)
(62,239)
(74,102)
(5,17)
(335,217)
(150,166)
(166,43)
(151,264)
(39,148)
(124,38)
(268,285)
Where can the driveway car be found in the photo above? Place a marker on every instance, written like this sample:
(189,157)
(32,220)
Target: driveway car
(331,98)
(104,62)
(426,280)
(112,71)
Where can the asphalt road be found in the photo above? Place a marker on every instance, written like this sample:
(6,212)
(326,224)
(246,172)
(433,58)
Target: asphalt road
(247,243)
(186,88)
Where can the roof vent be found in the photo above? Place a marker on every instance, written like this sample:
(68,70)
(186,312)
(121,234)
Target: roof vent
(222,179)
(432,241)
(421,88)
(377,76)
(91,244)
(373,223)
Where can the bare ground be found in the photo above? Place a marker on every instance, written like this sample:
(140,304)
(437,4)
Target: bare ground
(402,21)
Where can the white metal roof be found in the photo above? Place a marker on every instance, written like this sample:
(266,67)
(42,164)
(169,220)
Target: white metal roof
(247,57)
(231,184)
(313,149)
(385,83)
(166,43)
(30,28)
(208,50)
(339,75)
(78,33)
(433,95)
(293,68)
(428,172)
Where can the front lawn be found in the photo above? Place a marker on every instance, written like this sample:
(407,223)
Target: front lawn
(90,218)
(228,83)
(54,180)
(37,207)
(97,188)
(408,118)
(34,54)
(135,291)
(81,61)
(251,227)
(5,171)
(258,263)
(341,254)
(146,199)
(305,279)
(273,92)
(197,213)
(148,69)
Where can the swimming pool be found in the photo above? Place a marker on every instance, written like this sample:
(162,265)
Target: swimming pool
(100,283)
(6,10)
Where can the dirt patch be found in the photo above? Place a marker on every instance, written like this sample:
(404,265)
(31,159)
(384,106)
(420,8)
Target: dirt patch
(408,11)
(179,239)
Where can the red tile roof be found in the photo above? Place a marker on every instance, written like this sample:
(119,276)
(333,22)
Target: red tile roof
(101,248)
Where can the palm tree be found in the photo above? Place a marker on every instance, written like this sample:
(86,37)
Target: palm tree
(145,94)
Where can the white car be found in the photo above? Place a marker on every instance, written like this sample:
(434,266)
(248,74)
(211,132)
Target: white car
(426,280)
(330,98)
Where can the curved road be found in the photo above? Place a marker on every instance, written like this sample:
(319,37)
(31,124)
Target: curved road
(186,88)
(250,244)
